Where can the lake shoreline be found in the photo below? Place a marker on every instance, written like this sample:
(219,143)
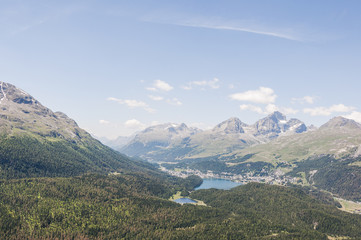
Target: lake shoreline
(218,183)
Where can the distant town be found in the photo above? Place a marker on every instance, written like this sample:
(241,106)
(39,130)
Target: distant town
(273,178)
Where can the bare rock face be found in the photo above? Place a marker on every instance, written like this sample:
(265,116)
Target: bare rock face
(232,125)
(276,124)
(20,112)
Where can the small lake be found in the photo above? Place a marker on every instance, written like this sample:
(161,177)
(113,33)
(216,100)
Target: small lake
(217,183)
(184,200)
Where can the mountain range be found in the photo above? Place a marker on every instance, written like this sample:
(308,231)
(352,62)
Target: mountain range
(338,137)
(274,135)
(168,142)
(272,149)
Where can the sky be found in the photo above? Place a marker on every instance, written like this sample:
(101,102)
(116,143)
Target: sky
(117,67)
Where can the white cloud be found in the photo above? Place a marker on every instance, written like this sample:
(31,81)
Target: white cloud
(324,111)
(134,124)
(213,84)
(252,108)
(289,111)
(171,101)
(151,89)
(174,101)
(155,98)
(153,123)
(354,116)
(160,85)
(270,108)
(104,122)
(242,29)
(132,103)
(231,86)
(305,99)
(263,95)
(221,24)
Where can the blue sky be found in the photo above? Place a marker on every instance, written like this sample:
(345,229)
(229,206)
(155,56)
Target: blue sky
(119,66)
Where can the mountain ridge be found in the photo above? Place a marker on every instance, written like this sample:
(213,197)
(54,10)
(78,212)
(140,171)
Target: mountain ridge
(339,136)
(37,142)
(227,136)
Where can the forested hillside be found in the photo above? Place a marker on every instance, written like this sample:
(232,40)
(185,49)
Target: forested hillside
(27,155)
(129,206)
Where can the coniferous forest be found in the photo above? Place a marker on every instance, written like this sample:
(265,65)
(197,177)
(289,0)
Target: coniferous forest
(135,206)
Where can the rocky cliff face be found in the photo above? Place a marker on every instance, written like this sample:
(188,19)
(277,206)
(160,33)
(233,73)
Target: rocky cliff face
(276,124)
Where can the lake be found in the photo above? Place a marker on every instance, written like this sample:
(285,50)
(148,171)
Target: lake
(217,183)
(210,183)
(184,200)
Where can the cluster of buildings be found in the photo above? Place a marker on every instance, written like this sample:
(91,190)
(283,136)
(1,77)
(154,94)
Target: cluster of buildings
(271,178)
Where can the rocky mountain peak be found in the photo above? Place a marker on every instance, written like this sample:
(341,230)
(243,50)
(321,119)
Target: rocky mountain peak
(232,125)
(164,133)
(20,112)
(168,127)
(294,126)
(157,137)
(312,128)
(13,99)
(341,122)
(10,93)
(277,116)
(269,125)
(178,127)
(275,124)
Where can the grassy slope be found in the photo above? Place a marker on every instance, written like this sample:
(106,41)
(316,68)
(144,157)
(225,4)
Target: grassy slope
(302,146)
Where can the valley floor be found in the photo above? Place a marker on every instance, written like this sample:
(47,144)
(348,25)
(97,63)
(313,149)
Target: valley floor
(274,179)
(277,179)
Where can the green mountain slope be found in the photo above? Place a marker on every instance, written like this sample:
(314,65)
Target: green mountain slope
(290,208)
(338,137)
(36,142)
(339,176)
(26,155)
